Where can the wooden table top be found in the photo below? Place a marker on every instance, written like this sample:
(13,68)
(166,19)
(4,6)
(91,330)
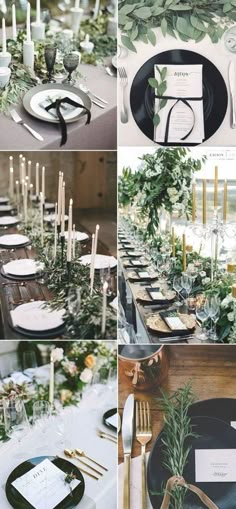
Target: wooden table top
(11,295)
(211,368)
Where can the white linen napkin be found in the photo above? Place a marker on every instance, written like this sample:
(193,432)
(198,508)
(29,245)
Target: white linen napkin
(183,81)
(135,484)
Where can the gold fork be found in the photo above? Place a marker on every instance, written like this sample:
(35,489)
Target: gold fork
(143,436)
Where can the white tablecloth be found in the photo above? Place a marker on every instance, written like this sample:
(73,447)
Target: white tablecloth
(80,431)
(130,134)
(135,484)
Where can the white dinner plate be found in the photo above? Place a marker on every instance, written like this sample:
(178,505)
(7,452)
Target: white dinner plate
(8,220)
(6,208)
(23,267)
(37,316)
(4,199)
(79,236)
(14,240)
(101,261)
(50,218)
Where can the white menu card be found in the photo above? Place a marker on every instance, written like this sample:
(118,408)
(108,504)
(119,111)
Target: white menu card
(183,81)
(44,486)
(215,465)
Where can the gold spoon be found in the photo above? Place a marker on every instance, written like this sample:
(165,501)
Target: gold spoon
(72,454)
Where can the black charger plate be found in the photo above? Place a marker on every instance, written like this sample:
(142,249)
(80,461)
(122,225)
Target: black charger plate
(47,334)
(220,408)
(30,277)
(215,96)
(18,501)
(213,434)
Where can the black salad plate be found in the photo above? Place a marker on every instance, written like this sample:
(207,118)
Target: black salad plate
(212,434)
(220,408)
(215,96)
(19,502)
(109,413)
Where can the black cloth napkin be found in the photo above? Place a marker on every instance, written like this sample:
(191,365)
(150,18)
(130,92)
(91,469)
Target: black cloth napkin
(57,106)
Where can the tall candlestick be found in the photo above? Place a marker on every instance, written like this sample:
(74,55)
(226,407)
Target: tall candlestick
(194,202)
(55,233)
(59,199)
(63,205)
(51,384)
(94,257)
(4,39)
(216,187)
(74,241)
(28,32)
(225,205)
(25,204)
(41,217)
(92,250)
(69,242)
(38,14)
(173,241)
(14,31)
(37,180)
(104,307)
(43,183)
(29,172)
(22,188)
(184,253)
(23,168)
(18,195)
(96,9)
(77,2)
(11,182)
(204,201)
(10,162)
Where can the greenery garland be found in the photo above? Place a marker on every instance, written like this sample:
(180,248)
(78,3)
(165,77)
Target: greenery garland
(185,19)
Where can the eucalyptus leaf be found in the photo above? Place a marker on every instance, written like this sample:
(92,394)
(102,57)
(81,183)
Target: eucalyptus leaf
(128,43)
(143,13)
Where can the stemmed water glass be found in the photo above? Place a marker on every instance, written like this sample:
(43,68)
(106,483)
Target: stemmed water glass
(74,301)
(50,59)
(187,283)
(15,417)
(177,286)
(212,306)
(202,315)
(41,414)
(70,62)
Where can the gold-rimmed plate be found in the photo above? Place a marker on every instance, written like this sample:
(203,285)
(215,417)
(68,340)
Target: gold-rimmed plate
(156,324)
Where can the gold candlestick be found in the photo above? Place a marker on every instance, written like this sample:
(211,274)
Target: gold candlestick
(173,241)
(204,201)
(216,188)
(184,253)
(193,202)
(234,291)
(225,205)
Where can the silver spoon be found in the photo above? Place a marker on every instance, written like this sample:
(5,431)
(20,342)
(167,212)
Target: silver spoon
(87,91)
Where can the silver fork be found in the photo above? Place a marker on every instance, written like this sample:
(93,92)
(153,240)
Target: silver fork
(123,84)
(19,120)
(143,436)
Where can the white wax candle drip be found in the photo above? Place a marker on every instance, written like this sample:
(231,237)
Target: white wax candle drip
(14,30)
(4,39)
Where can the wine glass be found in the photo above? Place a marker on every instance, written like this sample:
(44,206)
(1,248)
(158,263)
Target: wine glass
(177,286)
(202,315)
(74,301)
(41,414)
(50,58)
(187,283)
(16,421)
(212,305)
(70,62)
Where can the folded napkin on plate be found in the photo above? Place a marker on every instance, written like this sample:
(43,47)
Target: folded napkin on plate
(18,378)
(57,105)
(181,119)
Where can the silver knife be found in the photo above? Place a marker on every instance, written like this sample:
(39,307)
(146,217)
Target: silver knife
(127,438)
(232,90)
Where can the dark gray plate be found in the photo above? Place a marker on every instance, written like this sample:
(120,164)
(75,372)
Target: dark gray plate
(52,86)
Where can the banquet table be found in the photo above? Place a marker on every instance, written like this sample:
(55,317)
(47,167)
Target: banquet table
(100,134)
(10,294)
(80,424)
(211,371)
(129,133)
(138,312)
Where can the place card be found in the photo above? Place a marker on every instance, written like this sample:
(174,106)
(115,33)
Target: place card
(143,274)
(44,486)
(156,295)
(136,263)
(215,465)
(186,119)
(173,321)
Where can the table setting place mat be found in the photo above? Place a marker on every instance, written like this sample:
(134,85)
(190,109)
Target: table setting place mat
(23,267)
(180,324)
(37,316)
(101,261)
(181,119)
(141,275)
(14,240)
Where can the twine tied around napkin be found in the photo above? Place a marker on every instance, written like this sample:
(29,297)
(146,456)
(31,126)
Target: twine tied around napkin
(177,100)
(56,105)
(178,480)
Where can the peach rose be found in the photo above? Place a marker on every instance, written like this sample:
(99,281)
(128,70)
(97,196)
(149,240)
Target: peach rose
(90,361)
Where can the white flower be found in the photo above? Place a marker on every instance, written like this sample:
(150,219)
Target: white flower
(174,199)
(86,375)
(227,301)
(57,354)
(230,316)
(206,281)
(171,191)
(202,273)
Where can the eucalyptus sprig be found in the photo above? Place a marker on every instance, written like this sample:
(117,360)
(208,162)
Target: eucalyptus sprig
(160,87)
(183,19)
(175,436)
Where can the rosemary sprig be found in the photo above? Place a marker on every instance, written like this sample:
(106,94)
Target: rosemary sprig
(177,431)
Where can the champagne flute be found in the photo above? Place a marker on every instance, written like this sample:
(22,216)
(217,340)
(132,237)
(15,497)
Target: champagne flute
(202,315)
(187,283)
(74,301)
(177,286)
(212,306)
(41,415)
